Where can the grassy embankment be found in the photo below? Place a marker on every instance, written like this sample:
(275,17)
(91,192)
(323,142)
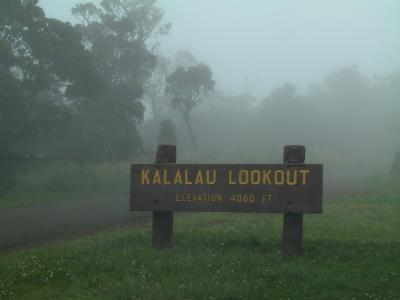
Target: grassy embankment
(352,251)
(65,181)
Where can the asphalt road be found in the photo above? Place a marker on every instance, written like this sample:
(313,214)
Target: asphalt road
(34,224)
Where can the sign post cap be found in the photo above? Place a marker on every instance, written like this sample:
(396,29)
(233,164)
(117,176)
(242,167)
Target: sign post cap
(294,154)
(166,154)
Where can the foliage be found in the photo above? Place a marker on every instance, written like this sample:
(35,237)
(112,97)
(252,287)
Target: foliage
(75,91)
(42,61)
(116,34)
(187,88)
(42,64)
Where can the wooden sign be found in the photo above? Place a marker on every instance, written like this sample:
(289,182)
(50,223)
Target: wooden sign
(276,188)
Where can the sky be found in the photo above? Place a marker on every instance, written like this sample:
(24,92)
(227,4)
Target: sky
(254,46)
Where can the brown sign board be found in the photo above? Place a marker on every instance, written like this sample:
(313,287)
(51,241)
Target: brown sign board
(273,188)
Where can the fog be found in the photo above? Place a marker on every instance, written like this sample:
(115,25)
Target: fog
(260,75)
(255,46)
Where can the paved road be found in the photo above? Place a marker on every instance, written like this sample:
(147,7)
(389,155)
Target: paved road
(30,225)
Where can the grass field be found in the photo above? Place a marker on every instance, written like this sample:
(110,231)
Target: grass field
(352,251)
(59,181)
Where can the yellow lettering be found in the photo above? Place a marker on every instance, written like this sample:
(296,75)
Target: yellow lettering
(211,179)
(165,177)
(183,199)
(255,177)
(230,180)
(202,198)
(199,178)
(293,180)
(267,177)
(243,177)
(178,177)
(145,176)
(279,177)
(267,198)
(187,181)
(305,173)
(157,177)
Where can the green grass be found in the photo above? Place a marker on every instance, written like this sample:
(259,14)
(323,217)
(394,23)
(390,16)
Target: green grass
(352,251)
(59,181)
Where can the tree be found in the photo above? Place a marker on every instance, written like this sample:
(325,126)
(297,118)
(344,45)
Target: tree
(348,81)
(185,59)
(155,85)
(187,88)
(42,62)
(284,115)
(117,34)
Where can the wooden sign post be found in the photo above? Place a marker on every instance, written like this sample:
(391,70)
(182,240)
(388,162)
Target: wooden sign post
(292,234)
(163,221)
(291,188)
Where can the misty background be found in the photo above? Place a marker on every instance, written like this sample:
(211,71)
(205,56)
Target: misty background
(226,81)
(256,46)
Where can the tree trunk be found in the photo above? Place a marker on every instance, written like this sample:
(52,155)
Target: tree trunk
(189,126)
(154,107)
